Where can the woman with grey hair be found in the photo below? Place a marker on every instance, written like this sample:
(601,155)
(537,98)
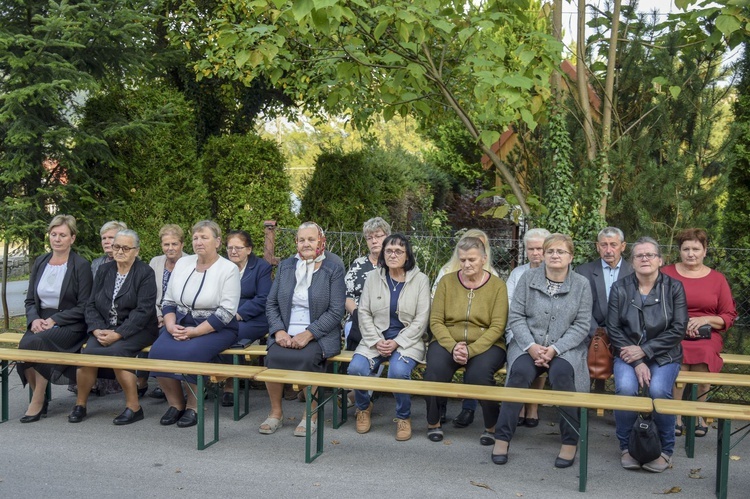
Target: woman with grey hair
(199,318)
(121,320)
(107,234)
(375,231)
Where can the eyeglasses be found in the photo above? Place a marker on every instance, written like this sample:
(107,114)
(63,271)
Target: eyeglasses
(124,249)
(372,237)
(558,252)
(645,256)
(395,252)
(232,249)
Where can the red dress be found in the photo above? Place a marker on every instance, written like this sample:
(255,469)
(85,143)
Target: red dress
(709,295)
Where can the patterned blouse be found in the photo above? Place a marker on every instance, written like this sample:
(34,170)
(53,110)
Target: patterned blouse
(113,310)
(355,277)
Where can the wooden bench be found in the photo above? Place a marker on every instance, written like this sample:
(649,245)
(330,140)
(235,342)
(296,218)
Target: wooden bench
(201,369)
(584,401)
(725,413)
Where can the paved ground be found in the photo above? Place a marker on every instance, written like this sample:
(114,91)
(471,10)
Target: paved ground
(53,458)
(16,294)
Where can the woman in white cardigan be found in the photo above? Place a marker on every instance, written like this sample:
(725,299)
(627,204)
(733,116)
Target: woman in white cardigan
(394,311)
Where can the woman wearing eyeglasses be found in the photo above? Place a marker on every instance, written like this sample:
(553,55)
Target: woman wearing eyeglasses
(255,284)
(199,318)
(646,322)
(549,317)
(121,319)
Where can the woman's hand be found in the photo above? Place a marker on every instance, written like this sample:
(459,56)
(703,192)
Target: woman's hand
(386,347)
(461,353)
(631,353)
(283,339)
(106,337)
(160,320)
(546,356)
(536,351)
(300,341)
(238,317)
(37,325)
(643,373)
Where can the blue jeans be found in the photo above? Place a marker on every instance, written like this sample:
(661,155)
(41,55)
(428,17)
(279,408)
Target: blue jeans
(662,382)
(399,368)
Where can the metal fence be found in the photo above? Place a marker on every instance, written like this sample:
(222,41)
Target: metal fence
(433,252)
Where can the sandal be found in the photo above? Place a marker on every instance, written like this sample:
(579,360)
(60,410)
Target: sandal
(700,431)
(271,425)
(679,430)
(301,429)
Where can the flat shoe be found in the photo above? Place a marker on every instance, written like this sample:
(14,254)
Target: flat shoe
(158,393)
(128,416)
(464,418)
(227,399)
(435,434)
(272,424)
(301,429)
(142,391)
(628,462)
(487,438)
(531,422)
(659,464)
(564,463)
(500,458)
(189,418)
(700,431)
(521,421)
(170,417)
(77,414)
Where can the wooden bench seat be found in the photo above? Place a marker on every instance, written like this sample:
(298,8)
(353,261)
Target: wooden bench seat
(201,369)
(725,413)
(584,401)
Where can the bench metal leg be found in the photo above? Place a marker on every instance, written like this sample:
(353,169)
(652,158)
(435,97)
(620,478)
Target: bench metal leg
(689,422)
(322,400)
(201,416)
(722,458)
(236,387)
(4,381)
(583,446)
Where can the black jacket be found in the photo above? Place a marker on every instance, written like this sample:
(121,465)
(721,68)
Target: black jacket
(663,317)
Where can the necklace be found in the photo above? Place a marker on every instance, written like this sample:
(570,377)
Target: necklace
(394,284)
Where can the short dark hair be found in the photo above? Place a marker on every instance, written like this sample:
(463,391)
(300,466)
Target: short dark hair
(692,235)
(242,235)
(399,240)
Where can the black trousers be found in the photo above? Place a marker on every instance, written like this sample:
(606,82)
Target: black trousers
(480,370)
(522,374)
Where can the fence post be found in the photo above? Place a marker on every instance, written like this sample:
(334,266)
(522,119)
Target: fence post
(269,242)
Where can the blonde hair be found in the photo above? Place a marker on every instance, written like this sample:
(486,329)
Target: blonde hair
(172,230)
(559,238)
(68,220)
(454,264)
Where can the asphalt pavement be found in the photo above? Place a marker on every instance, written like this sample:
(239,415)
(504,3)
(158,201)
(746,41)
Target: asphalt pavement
(15,295)
(54,458)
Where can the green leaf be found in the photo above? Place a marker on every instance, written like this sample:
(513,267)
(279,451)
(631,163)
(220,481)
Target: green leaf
(497,211)
(675,91)
(301,8)
(380,28)
(659,80)
(727,24)
(241,58)
(489,137)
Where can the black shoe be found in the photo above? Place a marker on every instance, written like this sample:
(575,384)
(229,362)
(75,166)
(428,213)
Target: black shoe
(77,414)
(521,421)
(36,417)
(532,422)
(443,410)
(487,438)
(157,394)
(128,416)
(227,399)
(189,418)
(464,418)
(170,417)
(142,391)
(500,458)
(564,463)
(435,434)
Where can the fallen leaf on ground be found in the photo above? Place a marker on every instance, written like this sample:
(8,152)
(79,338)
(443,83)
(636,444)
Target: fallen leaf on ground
(480,484)
(178,470)
(673,490)
(518,494)
(447,442)
(695,473)
(335,442)
(735,458)
(316,484)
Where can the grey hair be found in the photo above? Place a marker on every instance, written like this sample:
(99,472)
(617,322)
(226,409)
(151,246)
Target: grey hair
(130,233)
(375,224)
(646,240)
(311,225)
(467,243)
(611,232)
(535,234)
(115,225)
(207,224)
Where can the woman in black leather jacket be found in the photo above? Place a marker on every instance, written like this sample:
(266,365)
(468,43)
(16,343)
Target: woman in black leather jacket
(646,323)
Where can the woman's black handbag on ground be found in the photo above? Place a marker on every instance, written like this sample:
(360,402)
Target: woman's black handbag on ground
(644,444)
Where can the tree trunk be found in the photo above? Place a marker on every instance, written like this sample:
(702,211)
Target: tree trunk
(582,82)
(6,312)
(609,84)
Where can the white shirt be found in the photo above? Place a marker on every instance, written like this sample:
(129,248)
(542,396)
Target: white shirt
(50,285)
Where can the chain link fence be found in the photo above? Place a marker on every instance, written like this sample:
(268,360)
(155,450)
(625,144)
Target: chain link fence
(432,252)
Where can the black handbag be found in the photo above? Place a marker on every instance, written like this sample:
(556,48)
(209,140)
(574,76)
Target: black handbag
(644,443)
(704,333)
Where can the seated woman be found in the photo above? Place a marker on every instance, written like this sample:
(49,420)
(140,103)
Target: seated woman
(646,322)
(107,234)
(59,286)
(549,317)
(255,284)
(304,311)
(393,315)
(121,320)
(468,319)
(710,305)
(375,231)
(199,318)
(468,406)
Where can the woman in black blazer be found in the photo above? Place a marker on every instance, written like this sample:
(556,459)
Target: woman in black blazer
(121,318)
(59,286)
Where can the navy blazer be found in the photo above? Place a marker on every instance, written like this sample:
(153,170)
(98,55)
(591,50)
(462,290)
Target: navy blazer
(593,272)
(254,288)
(135,302)
(76,288)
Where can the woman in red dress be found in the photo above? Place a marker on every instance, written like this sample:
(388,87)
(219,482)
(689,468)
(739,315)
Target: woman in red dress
(710,303)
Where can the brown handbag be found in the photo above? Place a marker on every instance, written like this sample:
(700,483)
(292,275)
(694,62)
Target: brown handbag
(601,360)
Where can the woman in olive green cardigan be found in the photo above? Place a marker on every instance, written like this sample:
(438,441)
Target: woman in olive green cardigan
(468,317)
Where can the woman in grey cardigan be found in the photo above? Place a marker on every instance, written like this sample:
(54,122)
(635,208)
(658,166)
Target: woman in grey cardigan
(304,311)
(549,317)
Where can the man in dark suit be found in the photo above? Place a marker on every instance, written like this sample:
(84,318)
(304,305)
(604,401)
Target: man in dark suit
(602,273)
